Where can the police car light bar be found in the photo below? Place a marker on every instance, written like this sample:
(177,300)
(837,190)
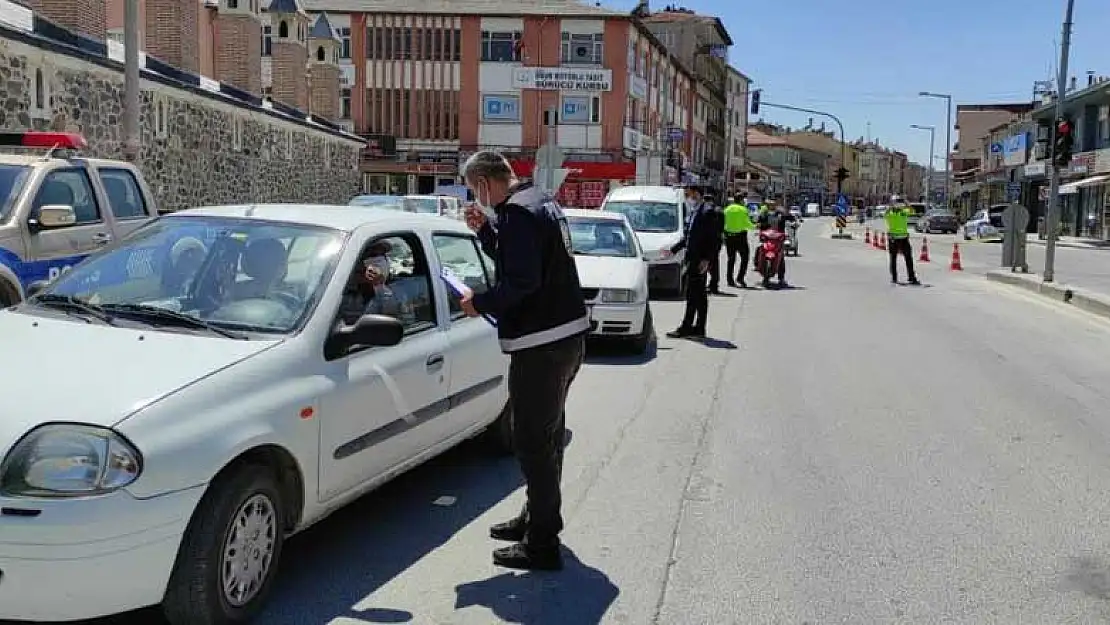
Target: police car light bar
(44,140)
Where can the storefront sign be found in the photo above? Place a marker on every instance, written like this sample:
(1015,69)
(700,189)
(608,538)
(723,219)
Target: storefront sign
(592,194)
(1014,150)
(568,195)
(562,79)
(1035,170)
(380,146)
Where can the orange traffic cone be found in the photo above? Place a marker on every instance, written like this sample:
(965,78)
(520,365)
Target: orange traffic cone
(956,264)
(924,250)
(867,236)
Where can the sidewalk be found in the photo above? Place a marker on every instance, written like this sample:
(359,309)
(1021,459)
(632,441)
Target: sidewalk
(1074,242)
(1095,301)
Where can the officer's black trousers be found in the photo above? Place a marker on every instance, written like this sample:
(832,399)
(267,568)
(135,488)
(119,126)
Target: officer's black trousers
(737,244)
(901,247)
(539,379)
(697,300)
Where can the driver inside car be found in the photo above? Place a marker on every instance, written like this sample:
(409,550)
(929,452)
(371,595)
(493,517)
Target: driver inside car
(369,291)
(264,263)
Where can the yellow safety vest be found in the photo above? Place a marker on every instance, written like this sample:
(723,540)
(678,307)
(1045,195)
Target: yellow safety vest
(737,219)
(897,221)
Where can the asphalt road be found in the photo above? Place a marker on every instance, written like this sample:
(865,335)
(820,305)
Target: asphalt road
(847,451)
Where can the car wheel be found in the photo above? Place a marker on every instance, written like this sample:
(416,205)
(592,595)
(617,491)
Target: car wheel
(498,436)
(6,298)
(642,341)
(227,561)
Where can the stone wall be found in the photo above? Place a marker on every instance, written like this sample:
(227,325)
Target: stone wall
(198,146)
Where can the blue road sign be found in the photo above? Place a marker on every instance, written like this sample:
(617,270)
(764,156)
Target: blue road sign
(841,204)
(1013,191)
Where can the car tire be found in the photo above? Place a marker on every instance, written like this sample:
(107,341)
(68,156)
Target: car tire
(6,297)
(498,436)
(642,341)
(196,592)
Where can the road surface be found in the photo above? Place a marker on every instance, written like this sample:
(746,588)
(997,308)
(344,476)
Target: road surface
(847,451)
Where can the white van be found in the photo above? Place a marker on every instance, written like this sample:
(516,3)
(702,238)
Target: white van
(658,215)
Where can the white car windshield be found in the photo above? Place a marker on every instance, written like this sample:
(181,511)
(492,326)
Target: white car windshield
(647,216)
(236,274)
(425,205)
(601,237)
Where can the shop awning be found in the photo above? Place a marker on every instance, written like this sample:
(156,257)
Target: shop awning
(1074,187)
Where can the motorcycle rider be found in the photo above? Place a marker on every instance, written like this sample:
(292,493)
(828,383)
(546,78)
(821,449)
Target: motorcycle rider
(778,218)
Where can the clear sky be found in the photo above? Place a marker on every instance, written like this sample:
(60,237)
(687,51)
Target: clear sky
(866,60)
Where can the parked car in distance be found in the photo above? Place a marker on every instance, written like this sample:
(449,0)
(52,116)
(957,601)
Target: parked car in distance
(920,209)
(613,276)
(985,223)
(938,220)
(250,378)
(443,205)
(813,209)
(657,214)
(389,202)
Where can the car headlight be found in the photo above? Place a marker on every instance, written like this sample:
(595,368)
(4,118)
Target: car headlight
(69,460)
(618,296)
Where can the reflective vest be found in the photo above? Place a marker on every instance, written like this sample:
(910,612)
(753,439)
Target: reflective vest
(737,219)
(898,222)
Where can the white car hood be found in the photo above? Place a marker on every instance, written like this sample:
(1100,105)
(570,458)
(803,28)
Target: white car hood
(606,272)
(652,242)
(68,370)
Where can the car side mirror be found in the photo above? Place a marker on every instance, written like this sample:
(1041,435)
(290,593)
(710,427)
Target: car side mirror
(368,331)
(36,287)
(53,216)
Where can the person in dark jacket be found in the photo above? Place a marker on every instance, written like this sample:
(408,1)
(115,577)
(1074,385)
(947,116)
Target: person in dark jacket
(777,219)
(714,272)
(541,318)
(702,242)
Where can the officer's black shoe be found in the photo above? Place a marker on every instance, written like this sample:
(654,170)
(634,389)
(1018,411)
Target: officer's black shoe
(914,282)
(511,531)
(525,557)
(681,333)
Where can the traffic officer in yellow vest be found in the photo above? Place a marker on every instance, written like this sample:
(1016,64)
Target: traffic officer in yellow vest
(738,221)
(898,238)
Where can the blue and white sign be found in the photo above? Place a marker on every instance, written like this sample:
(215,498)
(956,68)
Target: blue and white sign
(501,108)
(1013,191)
(576,109)
(841,205)
(1014,149)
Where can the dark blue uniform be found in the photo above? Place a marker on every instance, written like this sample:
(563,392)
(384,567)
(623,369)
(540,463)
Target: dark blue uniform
(702,242)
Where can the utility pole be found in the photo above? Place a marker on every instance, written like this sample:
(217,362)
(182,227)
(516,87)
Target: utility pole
(131,102)
(1052,216)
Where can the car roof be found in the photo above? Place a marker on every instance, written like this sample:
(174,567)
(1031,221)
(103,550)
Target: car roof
(646,193)
(345,218)
(587,213)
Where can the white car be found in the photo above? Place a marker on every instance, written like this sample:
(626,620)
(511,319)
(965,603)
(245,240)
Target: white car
(614,276)
(443,205)
(216,385)
(985,224)
(658,215)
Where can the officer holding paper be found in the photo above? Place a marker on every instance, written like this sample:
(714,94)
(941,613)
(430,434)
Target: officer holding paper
(542,321)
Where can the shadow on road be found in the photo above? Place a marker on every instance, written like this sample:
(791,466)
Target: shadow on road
(577,595)
(601,351)
(716,343)
(338,563)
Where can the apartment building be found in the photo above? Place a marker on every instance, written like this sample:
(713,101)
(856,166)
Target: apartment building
(430,82)
(838,155)
(776,155)
(736,128)
(700,42)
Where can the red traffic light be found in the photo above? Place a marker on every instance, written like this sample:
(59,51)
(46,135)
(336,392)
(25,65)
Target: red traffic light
(1063,127)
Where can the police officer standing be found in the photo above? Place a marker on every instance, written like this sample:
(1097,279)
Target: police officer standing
(541,318)
(715,262)
(702,242)
(738,222)
(898,234)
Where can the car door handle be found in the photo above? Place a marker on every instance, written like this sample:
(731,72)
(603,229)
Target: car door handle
(102,238)
(434,362)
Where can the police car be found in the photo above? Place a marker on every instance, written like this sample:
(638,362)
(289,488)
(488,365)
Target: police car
(56,207)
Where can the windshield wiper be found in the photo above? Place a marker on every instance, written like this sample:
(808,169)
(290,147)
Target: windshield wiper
(168,317)
(73,305)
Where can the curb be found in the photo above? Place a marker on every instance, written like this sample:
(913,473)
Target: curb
(1094,303)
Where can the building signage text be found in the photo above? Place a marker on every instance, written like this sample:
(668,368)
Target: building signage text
(560,79)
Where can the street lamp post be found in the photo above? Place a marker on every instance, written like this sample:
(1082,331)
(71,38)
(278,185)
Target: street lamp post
(1052,214)
(929,168)
(947,143)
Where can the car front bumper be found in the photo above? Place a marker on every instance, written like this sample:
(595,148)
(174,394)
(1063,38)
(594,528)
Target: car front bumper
(617,320)
(75,559)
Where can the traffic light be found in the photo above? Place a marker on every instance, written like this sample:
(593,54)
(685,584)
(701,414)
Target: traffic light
(842,174)
(755,101)
(1063,142)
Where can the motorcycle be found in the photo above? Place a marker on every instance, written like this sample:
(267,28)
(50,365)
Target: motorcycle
(791,244)
(769,254)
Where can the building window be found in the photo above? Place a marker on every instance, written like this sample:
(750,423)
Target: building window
(501,47)
(583,49)
(456,45)
(402,43)
(283,30)
(233,4)
(115,35)
(582,109)
(344,43)
(267,40)
(501,108)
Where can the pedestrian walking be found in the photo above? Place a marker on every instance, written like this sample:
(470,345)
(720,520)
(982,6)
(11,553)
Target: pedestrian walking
(702,242)
(542,320)
(898,238)
(738,222)
(714,272)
